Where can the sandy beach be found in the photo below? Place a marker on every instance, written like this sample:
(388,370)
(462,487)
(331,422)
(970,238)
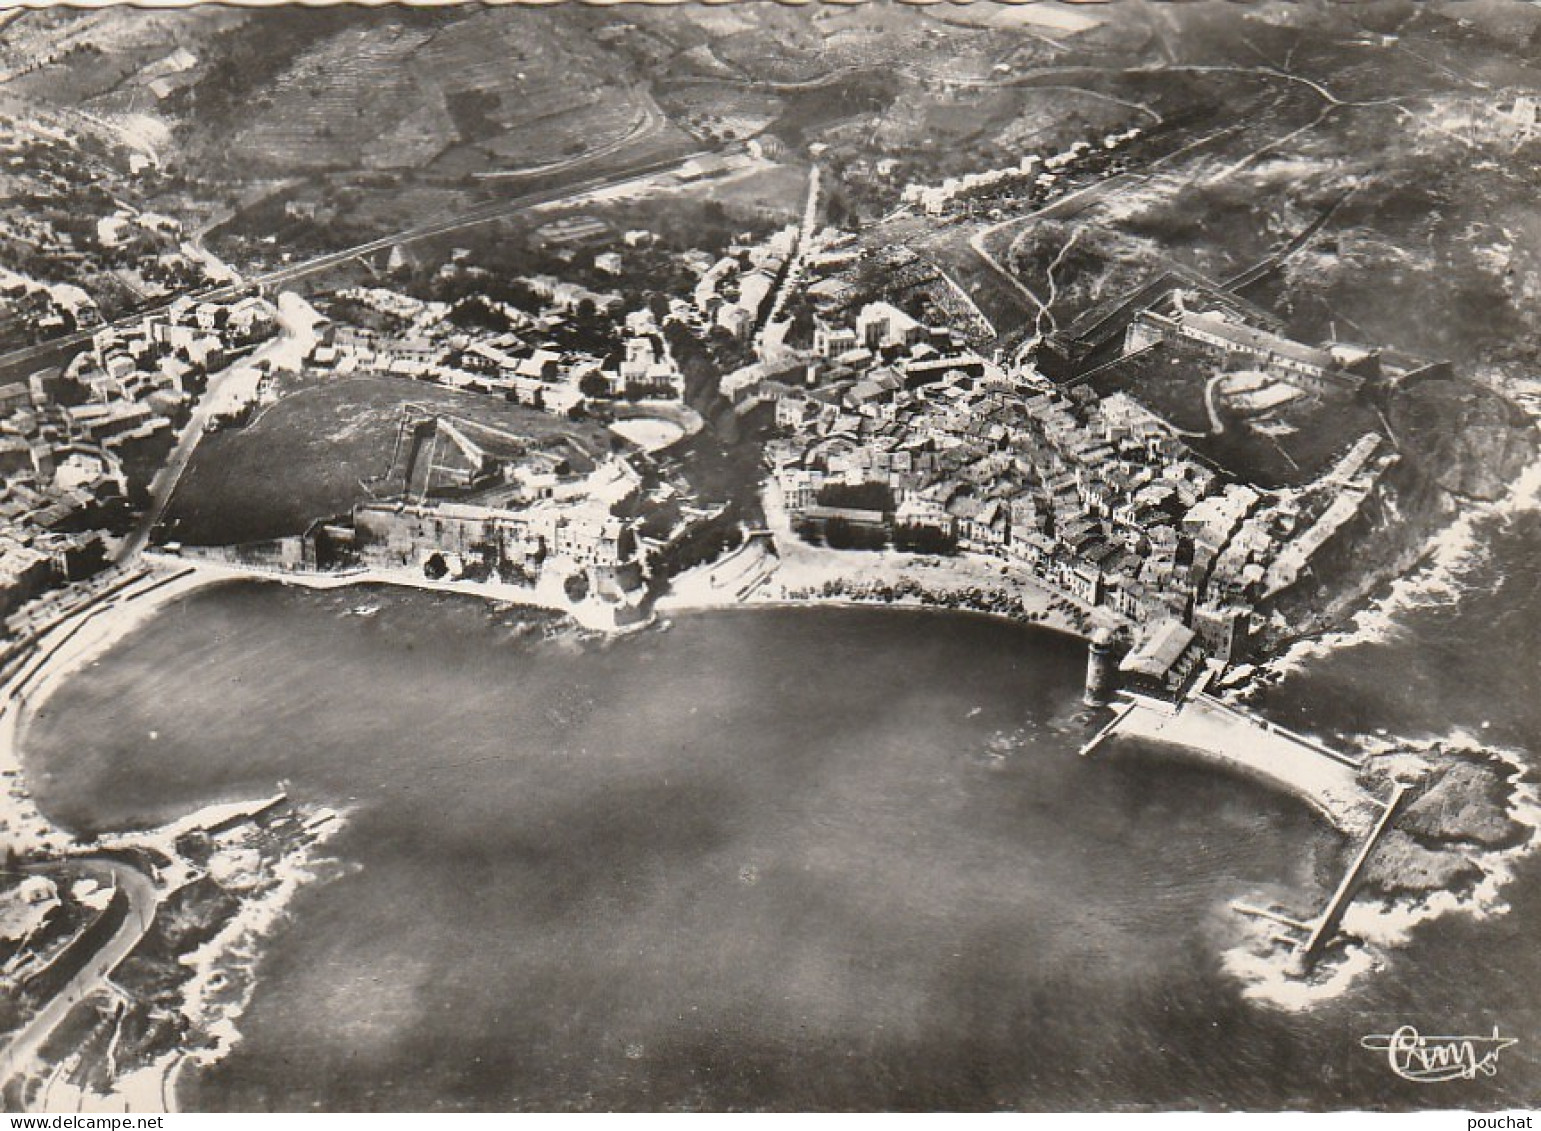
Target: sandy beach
(1221,734)
(591,613)
(62,650)
(795,572)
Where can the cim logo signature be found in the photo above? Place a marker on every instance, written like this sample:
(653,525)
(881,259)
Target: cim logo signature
(1432,1060)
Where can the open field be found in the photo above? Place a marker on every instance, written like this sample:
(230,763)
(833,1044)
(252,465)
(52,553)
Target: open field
(722,108)
(1427,251)
(106,58)
(706,215)
(1287,443)
(945,132)
(776,192)
(1430,257)
(602,118)
(303,457)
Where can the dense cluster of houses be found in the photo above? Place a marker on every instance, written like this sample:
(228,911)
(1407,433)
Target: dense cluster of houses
(1096,496)
(35,558)
(1034,171)
(66,436)
(48,308)
(734,292)
(544,358)
(527,362)
(77,225)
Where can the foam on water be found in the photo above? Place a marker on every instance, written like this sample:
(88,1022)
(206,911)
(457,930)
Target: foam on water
(1453,554)
(224,973)
(1009,799)
(229,959)
(1375,928)
(1267,978)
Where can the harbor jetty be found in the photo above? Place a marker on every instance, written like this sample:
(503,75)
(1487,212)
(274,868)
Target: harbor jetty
(1328,780)
(1324,778)
(1307,939)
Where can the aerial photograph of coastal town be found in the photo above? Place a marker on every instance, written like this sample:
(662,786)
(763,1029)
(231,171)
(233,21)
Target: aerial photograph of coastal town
(850,557)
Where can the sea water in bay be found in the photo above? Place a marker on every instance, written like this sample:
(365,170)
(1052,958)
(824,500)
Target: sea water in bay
(808,858)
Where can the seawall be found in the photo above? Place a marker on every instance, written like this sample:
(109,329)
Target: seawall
(1216,733)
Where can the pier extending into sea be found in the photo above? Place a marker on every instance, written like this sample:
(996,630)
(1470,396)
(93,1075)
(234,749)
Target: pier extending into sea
(1327,779)
(1308,938)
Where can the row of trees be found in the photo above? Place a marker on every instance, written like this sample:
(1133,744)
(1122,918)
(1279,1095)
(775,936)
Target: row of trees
(842,534)
(857,496)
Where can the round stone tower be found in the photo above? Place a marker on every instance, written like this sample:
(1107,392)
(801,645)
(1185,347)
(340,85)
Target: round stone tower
(1102,667)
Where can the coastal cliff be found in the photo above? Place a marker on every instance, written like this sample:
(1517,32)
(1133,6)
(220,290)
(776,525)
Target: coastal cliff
(1460,446)
(1468,442)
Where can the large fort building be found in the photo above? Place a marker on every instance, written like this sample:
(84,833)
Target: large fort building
(1328,372)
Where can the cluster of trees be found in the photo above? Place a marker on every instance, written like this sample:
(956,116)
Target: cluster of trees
(474,312)
(799,313)
(593,386)
(513,573)
(466,289)
(924,540)
(857,496)
(589,330)
(698,364)
(841,534)
(706,542)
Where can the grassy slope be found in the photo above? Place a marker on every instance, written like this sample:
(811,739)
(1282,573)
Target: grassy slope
(303,458)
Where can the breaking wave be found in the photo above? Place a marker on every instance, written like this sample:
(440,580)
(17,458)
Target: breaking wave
(1373,928)
(1439,581)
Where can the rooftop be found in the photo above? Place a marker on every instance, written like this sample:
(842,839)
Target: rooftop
(1159,649)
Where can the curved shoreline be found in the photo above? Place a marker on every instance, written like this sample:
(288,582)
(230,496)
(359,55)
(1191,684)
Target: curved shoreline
(87,633)
(804,575)
(1380,922)
(91,630)
(917,607)
(60,652)
(1210,731)
(66,647)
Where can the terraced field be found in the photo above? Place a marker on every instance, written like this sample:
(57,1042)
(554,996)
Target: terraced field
(396,94)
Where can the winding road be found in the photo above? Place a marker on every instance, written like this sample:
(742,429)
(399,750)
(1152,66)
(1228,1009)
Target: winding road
(205,409)
(1211,387)
(142,901)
